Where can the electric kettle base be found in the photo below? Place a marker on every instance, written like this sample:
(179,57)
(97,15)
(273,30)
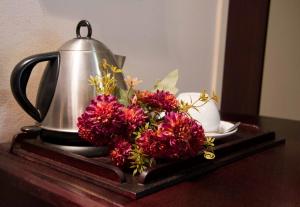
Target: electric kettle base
(87,151)
(68,142)
(71,142)
(62,138)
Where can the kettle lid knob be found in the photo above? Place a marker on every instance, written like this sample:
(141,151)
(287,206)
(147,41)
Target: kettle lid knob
(84,43)
(84,23)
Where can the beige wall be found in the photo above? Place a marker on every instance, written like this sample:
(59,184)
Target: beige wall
(281,80)
(156,36)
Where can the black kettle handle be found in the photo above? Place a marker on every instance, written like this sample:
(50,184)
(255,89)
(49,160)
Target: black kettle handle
(19,79)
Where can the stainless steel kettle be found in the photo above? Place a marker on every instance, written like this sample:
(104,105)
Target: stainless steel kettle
(64,91)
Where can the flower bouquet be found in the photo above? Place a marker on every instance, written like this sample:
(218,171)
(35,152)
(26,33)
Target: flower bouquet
(142,127)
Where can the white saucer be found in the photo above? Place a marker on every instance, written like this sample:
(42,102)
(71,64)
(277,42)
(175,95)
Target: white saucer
(224,125)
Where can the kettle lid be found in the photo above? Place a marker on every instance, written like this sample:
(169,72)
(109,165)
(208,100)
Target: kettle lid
(81,43)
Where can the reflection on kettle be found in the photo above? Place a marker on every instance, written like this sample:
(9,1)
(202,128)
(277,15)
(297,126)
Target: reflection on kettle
(64,91)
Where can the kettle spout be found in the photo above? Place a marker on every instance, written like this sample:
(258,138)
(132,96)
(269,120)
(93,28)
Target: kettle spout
(120,59)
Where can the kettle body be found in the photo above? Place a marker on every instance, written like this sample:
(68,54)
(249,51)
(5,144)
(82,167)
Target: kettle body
(64,92)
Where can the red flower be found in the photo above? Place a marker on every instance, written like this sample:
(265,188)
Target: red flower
(159,100)
(135,117)
(102,119)
(120,154)
(178,136)
(145,141)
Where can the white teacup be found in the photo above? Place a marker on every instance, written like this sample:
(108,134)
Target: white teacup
(207,113)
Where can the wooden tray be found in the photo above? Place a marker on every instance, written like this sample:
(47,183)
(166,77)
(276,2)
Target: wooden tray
(98,170)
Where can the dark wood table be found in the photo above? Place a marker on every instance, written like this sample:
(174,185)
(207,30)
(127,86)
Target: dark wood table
(268,178)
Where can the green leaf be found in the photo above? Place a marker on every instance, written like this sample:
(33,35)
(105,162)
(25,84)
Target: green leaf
(123,99)
(168,83)
(125,96)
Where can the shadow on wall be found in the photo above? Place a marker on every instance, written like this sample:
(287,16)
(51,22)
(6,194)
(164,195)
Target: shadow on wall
(12,116)
(24,32)
(157,36)
(115,21)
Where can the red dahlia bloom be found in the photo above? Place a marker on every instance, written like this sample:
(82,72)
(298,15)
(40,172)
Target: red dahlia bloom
(145,141)
(120,154)
(160,100)
(135,117)
(186,137)
(101,119)
(178,136)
